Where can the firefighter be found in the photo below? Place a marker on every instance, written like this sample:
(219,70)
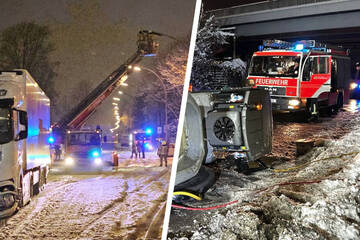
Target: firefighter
(133,149)
(163,152)
(293,69)
(57,152)
(357,73)
(138,148)
(142,148)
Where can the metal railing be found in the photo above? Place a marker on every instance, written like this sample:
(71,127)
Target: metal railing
(262,6)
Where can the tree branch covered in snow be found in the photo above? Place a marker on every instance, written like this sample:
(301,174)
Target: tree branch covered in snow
(164,94)
(210,38)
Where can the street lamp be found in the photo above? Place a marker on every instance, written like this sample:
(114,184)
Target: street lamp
(124,78)
(124,84)
(138,69)
(116,98)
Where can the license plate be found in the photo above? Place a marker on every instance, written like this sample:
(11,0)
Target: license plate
(274,90)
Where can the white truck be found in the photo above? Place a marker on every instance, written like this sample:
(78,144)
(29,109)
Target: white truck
(24,132)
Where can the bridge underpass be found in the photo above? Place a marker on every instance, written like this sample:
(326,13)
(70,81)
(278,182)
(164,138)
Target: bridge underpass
(333,22)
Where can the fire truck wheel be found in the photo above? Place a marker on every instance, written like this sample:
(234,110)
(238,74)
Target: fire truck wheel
(340,101)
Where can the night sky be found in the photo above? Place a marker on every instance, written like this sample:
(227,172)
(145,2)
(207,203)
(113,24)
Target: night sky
(92,38)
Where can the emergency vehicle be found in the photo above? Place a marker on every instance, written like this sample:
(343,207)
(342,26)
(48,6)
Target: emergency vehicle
(304,75)
(24,147)
(142,135)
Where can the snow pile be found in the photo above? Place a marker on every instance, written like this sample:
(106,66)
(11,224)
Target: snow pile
(327,206)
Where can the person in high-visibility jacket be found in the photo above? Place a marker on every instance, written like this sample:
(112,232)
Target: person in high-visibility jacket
(163,152)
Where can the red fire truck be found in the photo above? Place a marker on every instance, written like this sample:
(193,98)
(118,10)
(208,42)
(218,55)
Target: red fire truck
(304,75)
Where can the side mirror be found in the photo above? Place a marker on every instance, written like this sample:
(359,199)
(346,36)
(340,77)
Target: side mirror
(22,135)
(23,118)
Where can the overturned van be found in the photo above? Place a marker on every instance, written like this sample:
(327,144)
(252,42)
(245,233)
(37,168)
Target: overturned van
(234,123)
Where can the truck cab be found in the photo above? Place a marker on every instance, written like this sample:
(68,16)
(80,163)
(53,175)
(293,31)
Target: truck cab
(83,149)
(24,130)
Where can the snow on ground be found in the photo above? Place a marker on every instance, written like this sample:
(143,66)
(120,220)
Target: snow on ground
(116,204)
(151,160)
(320,200)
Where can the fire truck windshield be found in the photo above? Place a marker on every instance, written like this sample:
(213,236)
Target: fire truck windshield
(141,136)
(84,139)
(277,66)
(5,126)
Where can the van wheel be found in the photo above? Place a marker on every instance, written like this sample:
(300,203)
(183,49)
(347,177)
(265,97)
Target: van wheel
(242,164)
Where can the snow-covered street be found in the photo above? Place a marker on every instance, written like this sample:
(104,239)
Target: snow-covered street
(314,196)
(122,203)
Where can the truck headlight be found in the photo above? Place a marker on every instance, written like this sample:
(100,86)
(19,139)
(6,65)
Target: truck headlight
(294,102)
(251,82)
(353,86)
(98,161)
(69,161)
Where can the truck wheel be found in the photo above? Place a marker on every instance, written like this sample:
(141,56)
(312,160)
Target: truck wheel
(192,149)
(340,101)
(331,110)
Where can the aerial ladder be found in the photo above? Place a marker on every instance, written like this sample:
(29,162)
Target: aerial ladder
(75,119)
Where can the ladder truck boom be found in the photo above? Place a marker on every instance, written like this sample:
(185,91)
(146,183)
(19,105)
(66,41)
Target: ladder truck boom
(147,46)
(83,147)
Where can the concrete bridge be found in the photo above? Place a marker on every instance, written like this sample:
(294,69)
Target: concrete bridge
(329,21)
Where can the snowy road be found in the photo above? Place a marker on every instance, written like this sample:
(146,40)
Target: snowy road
(118,204)
(318,199)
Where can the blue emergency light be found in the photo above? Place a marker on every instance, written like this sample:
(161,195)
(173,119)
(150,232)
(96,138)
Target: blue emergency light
(95,154)
(51,140)
(299,47)
(148,131)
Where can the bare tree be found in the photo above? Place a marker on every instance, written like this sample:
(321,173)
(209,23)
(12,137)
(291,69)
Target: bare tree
(166,90)
(27,46)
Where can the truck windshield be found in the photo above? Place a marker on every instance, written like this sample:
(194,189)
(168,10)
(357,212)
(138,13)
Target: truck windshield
(277,66)
(84,139)
(6,134)
(141,136)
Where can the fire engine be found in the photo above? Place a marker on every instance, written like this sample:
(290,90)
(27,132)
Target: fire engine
(304,75)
